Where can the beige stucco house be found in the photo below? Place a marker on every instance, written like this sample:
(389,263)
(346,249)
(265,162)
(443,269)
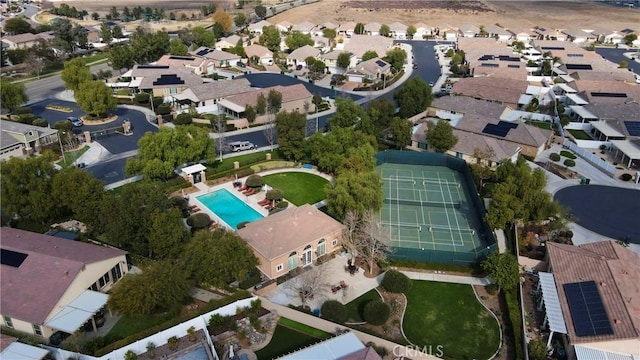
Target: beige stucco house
(294,98)
(295,237)
(53,284)
(19,140)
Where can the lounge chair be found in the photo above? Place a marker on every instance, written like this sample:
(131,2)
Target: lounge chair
(269,207)
(249,191)
(242,188)
(264,202)
(343,285)
(335,289)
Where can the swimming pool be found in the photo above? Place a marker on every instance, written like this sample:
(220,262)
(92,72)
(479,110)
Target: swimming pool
(228,207)
(199,353)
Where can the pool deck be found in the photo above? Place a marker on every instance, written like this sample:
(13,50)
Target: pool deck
(251,200)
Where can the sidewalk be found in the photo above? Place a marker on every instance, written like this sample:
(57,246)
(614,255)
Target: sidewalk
(442,277)
(94,155)
(316,322)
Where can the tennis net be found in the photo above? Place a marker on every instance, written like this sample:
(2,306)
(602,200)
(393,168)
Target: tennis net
(450,205)
(422,181)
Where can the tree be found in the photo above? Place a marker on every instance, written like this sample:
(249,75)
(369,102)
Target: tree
(623,64)
(413,97)
(312,281)
(149,47)
(26,195)
(261,11)
(396,282)
(79,191)
(261,104)
(161,286)
(329,34)
(95,16)
(373,239)
(440,136)
(218,257)
(481,168)
(356,192)
(116,32)
(199,36)
(270,38)
(290,127)
(105,33)
(400,131)
(502,269)
(315,66)
(17,25)
(348,113)
(329,151)
(239,49)
(384,30)
(177,47)
(359,29)
(12,95)
(376,312)
(537,349)
(296,40)
(95,98)
(75,73)
(80,37)
(62,30)
(369,54)
(334,310)
(344,60)
(240,20)
(114,13)
(121,57)
(17,56)
(411,31)
(630,38)
(221,17)
(250,113)
(274,101)
(167,234)
(396,57)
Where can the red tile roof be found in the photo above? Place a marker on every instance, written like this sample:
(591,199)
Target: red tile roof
(31,291)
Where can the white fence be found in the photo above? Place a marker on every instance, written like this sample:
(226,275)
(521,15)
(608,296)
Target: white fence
(592,159)
(160,338)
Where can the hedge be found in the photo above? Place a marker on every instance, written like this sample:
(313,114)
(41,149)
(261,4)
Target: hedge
(254,181)
(396,282)
(568,154)
(626,177)
(376,312)
(199,220)
(554,157)
(569,163)
(335,311)
(183,119)
(141,98)
(163,109)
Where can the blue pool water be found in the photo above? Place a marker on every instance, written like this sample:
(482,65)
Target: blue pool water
(231,209)
(199,353)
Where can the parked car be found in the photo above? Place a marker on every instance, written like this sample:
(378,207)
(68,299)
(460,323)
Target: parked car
(241,146)
(415,66)
(299,67)
(241,64)
(75,121)
(58,337)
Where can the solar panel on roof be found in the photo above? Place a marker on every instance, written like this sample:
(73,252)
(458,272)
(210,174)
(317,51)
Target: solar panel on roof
(633,127)
(169,79)
(608,94)
(500,129)
(204,52)
(513,66)
(12,258)
(579,67)
(381,63)
(174,57)
(153,66)
(587,310)
(508,58)
(485,57)
(489,65)
(552,48)
(575,55)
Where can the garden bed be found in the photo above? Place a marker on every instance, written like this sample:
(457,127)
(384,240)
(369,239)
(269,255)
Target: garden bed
(579,134)
(392,328)
(60,108)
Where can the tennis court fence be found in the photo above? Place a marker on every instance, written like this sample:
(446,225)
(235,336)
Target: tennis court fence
(469,258)
(448,205)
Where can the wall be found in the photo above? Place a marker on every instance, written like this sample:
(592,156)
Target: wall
(20,325)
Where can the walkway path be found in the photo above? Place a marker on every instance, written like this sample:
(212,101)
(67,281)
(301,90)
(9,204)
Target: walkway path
(441,276)
(328,326)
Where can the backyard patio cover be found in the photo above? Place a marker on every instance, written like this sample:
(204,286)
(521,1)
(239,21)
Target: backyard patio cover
(552,303)
(194,169)
(628,147)
(606,128)
(584,113)
(20,351)
(587,353)
(77,312)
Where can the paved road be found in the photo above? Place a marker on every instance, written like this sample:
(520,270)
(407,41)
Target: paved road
(27,11)
(39,90)
(616,56)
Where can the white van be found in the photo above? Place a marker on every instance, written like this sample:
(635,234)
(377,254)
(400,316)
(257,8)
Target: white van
(241,146)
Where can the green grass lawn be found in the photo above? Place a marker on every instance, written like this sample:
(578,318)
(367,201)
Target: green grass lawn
(450,315)
(69,156)
(132,325)
(568,154)
(541,124)
(580,134)
(290,336)
(355,308)
(299,188)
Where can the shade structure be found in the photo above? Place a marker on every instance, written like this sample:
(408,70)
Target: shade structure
(552,303)
(77,312)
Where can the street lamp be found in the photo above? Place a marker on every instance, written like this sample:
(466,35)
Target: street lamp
(64,159)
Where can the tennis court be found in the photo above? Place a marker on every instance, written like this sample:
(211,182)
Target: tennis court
(432,209)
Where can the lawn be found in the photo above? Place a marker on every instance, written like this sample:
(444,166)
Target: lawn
(568,154)
(355,308)
(70,156)
(290,336)
(450,315)
(579,134)
(541,124)
(129,325)
(243,160)
(299,188)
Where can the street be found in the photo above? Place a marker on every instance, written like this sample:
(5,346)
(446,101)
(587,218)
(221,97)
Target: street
(39,90)
(616,55)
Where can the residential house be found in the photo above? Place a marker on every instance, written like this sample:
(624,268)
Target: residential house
(256,28)
(447,32)
(489,57)
(423,31)
(608,36)
(318,31)
(11,348)
(304,27)
(498,33)
(227,42)
(161,80)
(292,238)
(347,28)
(398,30)
(94,35)
(21,140)
(294,98)
(372,28)
(579,36)
(321,43)
(523,34)
(550,34)
(372,70)
(359,44)
(20,41)
(342,347)
(208,94)
(595,290)
(330,59)
(299,55)
(219,59)
(53,284)
(284,26)
(198,65)
(259,54)
(506,91)
(468,31)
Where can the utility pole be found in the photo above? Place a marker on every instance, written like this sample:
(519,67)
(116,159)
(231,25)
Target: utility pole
(64,159)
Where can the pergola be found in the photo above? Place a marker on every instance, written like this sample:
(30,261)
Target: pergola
(189,171)
(606,130)
(71,317)
(630,150)
(551,302)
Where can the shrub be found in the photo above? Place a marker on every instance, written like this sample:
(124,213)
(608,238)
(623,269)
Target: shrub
(334,310)
(554,157)
(569,163)
(282,205)
(130,355)
(27,118)
(603,147)
(254,181)
(163,109)
(492,289)
(141,98)
(568,154)
(376,312)
(64,125)
(183,119)
(568,234)
(40,122)
(396,282)
(198,220)
(179,202)
(23,110)
(216,321)
(275,194)
(626,177)
(242,224)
